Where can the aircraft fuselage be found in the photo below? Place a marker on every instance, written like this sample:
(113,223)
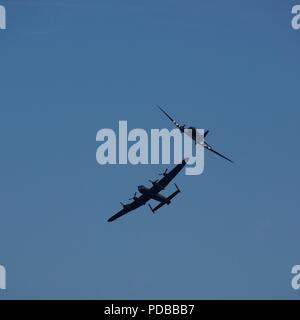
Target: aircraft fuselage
(155,196)
(193,133)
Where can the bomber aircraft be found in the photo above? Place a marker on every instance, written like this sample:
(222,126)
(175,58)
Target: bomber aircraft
(152,193)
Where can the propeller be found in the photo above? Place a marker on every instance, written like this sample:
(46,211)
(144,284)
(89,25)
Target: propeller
(182,128)
(123,205)
(164,173)
(134,197)
(154,182)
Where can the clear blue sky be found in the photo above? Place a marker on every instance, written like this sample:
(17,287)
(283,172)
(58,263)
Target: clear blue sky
(70,68)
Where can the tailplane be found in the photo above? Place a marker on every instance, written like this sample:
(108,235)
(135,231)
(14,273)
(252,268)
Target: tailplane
(173,195)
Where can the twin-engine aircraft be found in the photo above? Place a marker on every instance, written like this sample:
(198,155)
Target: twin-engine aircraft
(195,135)
(152,193)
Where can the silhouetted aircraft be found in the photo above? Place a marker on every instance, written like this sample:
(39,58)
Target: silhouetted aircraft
(152,193)
(195,135)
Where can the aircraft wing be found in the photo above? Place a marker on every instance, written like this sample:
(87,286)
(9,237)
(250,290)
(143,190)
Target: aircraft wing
(208,147)
(181,128)
(130,207)
(163,183)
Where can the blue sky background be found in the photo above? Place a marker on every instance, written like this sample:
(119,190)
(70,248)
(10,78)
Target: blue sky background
(70,68)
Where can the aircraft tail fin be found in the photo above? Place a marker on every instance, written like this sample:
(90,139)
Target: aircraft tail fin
(151,208)
(173,195)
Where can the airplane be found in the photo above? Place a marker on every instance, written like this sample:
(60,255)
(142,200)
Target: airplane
(195,135)
(152,193)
